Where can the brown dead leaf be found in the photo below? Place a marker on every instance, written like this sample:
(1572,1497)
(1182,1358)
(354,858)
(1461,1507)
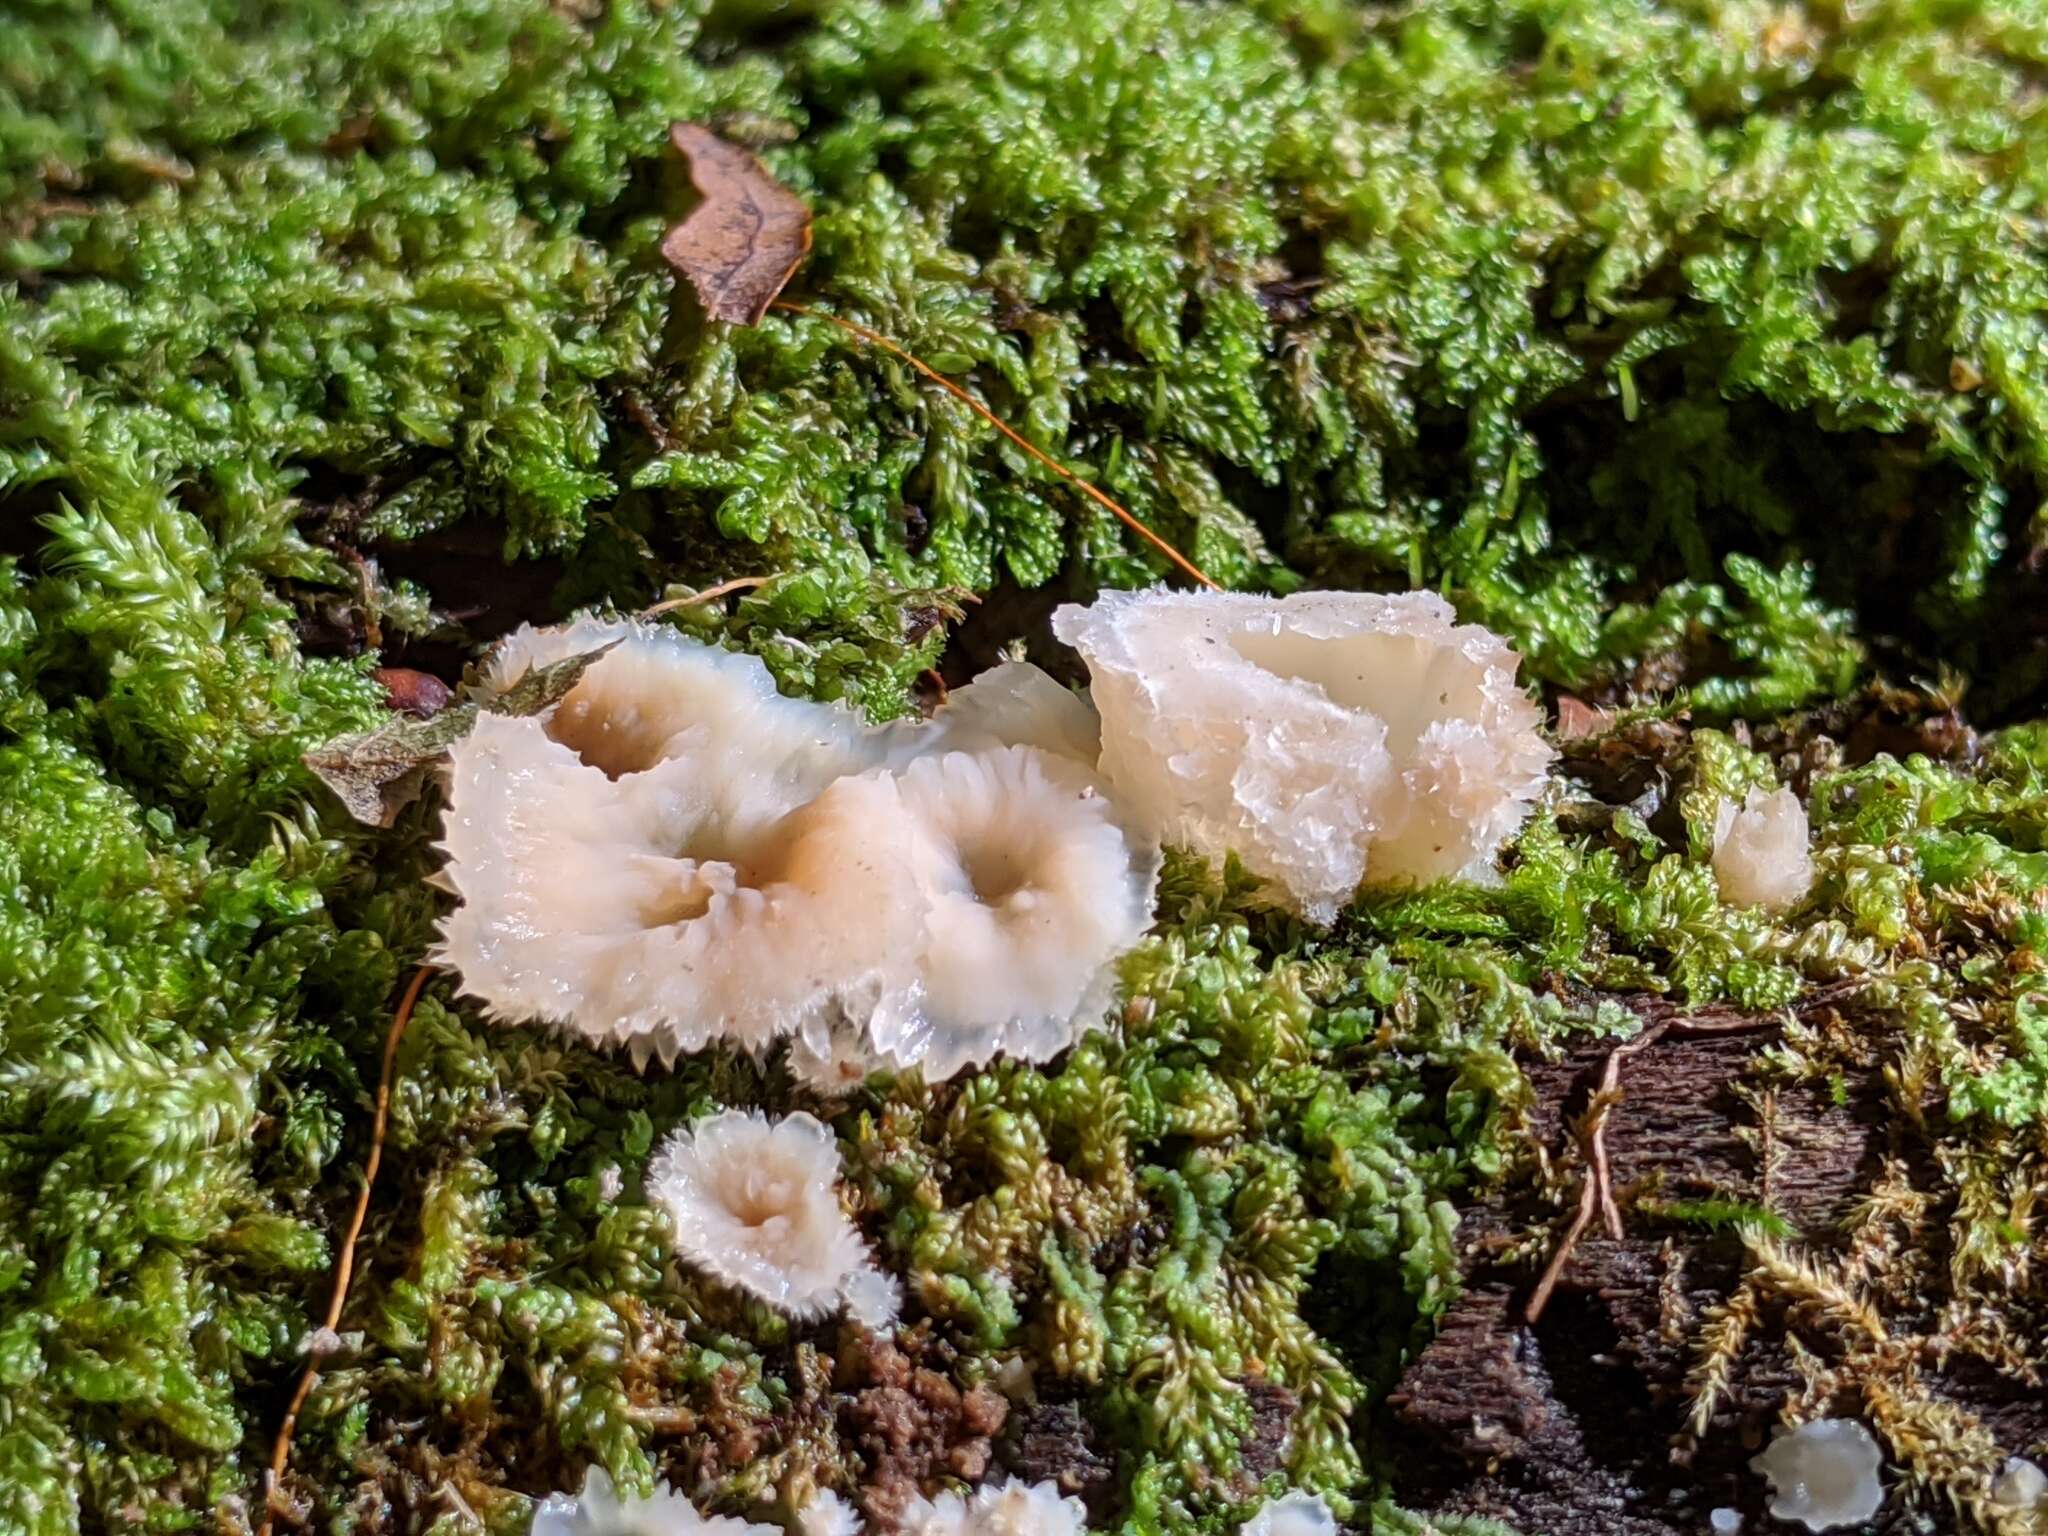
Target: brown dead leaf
(378,773)
(746,239)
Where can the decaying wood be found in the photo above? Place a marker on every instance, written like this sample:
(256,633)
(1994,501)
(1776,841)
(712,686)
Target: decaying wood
(1578,1424)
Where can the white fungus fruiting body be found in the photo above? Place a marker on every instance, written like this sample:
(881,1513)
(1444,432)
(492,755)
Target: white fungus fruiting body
(2021,1484)
(1724,1522)
(755,1203)
(1761,853)
(1294,1514)
(1327,738)
(827,1514)
(1030,890)
(1013,704)
(599,1511)
(675,854)
(634,913)
(874,1299)
(1824,1473)
(834,1061)
(657,696)
(1010,1508)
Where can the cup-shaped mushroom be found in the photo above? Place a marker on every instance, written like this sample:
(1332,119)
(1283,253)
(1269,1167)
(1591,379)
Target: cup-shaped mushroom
(1328,739)
(639,913)
(1032,888)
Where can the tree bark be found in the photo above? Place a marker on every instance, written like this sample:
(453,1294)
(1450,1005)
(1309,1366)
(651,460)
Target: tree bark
(1577,1424)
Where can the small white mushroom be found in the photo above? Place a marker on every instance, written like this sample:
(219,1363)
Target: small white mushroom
(874,1299)
(945,1515)
(1824,1473)
(1724,1522)
(1327,738)
(658,695)
(1761,853)
(1030,891)
(1293,1514)
(634,913)
(1010,1508)
(833,1061)
(827,1514)
(755,1203)
(599,1511)
(1015,704)
(2020,1484)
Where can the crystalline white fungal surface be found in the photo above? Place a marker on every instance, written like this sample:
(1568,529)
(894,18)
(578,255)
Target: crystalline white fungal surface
(1824,1473)
(1015,704)
(827,1514)
(1010,1508)
(659,696)
(754,1203)
(599,1511)
(635,911)
(874,1299)
(2020,1484)
(676,854)
(1328,738)
(1293,1514)
(833,1063)
(1761,852)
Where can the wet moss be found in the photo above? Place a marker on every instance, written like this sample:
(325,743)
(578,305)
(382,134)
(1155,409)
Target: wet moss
(1696,347)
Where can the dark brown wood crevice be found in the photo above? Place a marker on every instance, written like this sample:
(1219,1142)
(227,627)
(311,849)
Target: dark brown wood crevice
(1577,1425)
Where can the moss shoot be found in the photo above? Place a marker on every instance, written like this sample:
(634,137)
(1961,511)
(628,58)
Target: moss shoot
(1700,348)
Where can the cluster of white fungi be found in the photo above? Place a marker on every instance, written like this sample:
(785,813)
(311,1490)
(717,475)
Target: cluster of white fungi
(676,856)
(1009,1508)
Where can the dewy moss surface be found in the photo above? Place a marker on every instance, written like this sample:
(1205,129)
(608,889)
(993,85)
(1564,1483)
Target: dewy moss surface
(1693,346)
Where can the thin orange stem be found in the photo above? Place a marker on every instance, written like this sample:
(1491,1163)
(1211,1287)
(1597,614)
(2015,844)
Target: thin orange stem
(876,339)
(344,1269)
(709,594)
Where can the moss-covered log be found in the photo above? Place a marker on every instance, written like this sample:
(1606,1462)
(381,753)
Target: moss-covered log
(1699,347)
(1755,1240)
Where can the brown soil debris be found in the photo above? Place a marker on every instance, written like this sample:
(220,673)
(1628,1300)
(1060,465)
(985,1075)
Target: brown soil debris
(911,1422)
(1264,1451)
(1055,1442)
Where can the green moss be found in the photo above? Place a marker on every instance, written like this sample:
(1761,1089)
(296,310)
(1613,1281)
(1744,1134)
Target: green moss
(1602,317)
(1699,347)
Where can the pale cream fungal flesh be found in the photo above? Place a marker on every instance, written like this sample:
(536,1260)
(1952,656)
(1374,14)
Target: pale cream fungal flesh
(675,854)
(599,1510)
(1823,1474)
(1030,891)
(1010,1508)
(754,1204)
(1292,1514)
(1761,852)
(1329,739)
